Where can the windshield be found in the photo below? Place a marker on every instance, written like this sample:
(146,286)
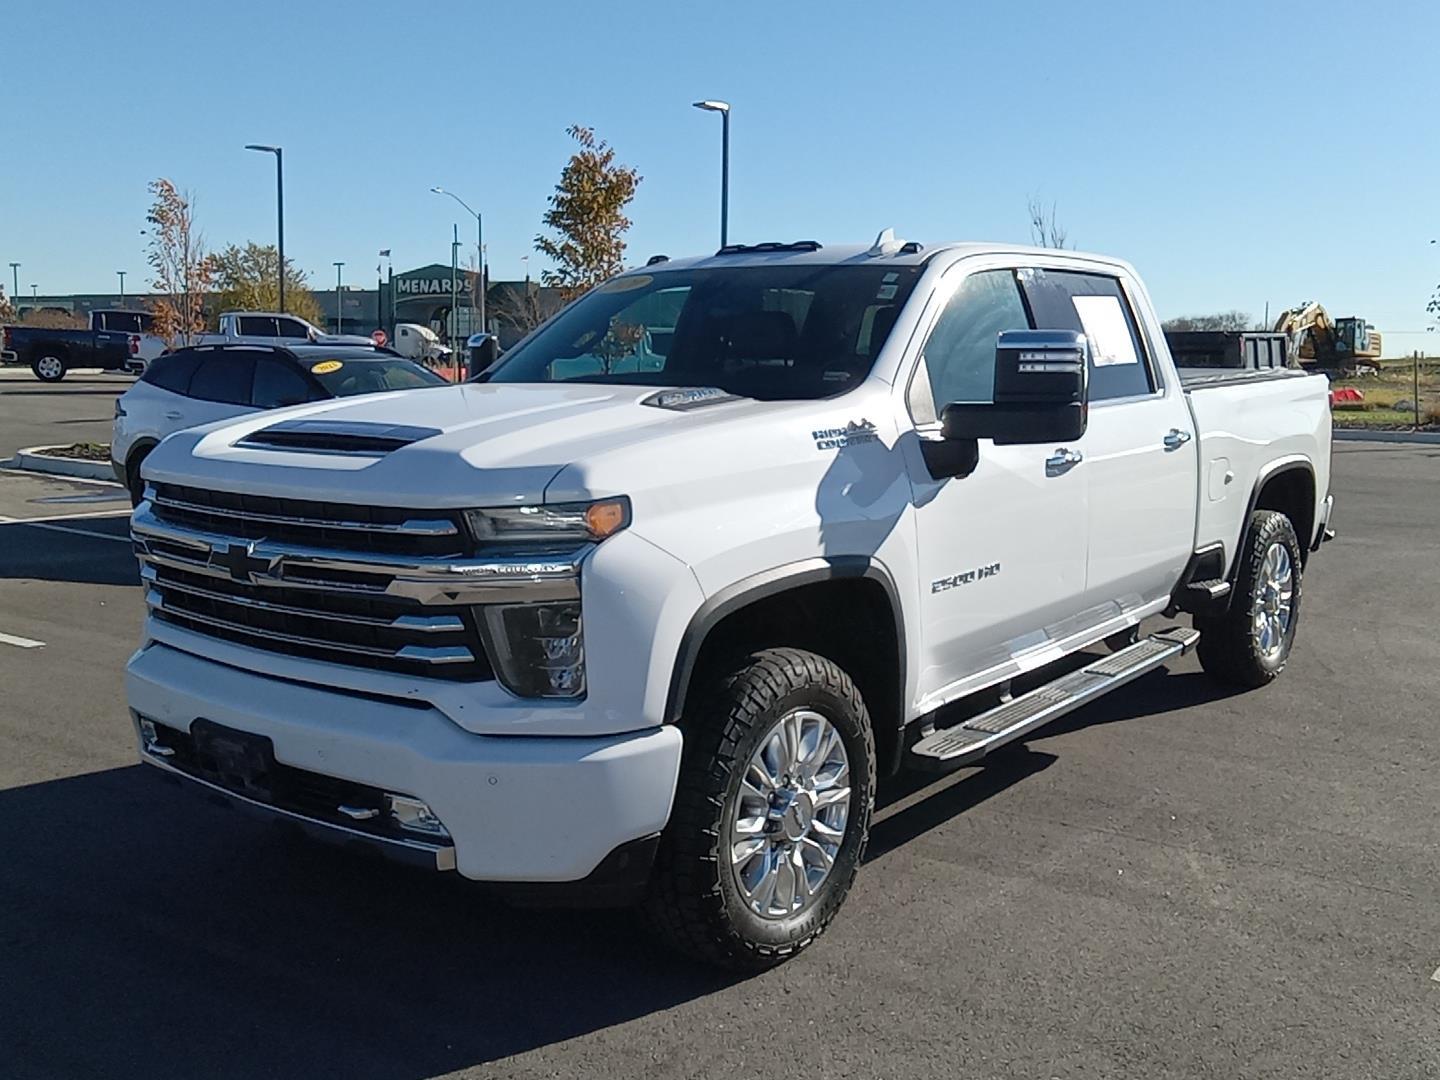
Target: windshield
(344,377)
(771,332)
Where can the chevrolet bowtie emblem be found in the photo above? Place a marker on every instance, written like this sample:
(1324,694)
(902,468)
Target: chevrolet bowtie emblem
(240,561)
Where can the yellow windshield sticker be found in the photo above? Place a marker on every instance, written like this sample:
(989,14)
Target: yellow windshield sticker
(325,367)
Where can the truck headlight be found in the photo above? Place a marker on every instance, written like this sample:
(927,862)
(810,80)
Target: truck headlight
(538,649)
(555,524)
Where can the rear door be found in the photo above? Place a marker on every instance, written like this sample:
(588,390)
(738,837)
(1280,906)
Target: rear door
(1139,449)
(1001,552)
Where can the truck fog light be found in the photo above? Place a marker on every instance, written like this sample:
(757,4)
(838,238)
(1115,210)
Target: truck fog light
(150,740)
(414,815)
(538,649)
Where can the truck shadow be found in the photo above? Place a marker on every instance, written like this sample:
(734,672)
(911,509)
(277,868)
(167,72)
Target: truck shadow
(27,552)
(147,933)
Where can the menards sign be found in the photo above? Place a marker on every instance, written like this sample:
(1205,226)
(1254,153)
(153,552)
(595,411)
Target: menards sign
(432,281)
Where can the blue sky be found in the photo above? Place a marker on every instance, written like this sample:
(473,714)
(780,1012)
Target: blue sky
(1237,153)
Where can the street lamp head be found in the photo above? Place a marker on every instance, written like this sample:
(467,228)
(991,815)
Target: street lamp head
(262,149)
(439,190)
(713,106)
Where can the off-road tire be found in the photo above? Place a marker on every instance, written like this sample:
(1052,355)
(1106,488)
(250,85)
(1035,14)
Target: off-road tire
(693,900)
(1229,648)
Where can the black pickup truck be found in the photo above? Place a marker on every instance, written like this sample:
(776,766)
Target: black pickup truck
(115,341)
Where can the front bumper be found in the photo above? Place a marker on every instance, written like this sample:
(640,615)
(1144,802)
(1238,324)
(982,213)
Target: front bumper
(517,808)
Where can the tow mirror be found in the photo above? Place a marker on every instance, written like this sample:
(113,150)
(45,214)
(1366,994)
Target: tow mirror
(1041,384)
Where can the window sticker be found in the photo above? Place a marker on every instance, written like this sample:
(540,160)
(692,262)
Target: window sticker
(325,367)
(1107,329)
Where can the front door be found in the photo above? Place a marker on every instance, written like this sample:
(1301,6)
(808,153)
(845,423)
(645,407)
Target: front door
(1001,553)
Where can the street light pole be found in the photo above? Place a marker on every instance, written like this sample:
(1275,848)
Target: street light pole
(479,247)
(279,209)
(15,270)
(339,301)
(723,108)
(121,274)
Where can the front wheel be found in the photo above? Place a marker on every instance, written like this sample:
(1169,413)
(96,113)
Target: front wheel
(49,368)
(772,811)
(1249,644)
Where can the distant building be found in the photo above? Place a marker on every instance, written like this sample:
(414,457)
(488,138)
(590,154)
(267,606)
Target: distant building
(422,295)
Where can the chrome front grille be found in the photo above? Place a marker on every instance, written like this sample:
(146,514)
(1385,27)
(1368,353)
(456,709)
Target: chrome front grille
(337,526)
(353,585)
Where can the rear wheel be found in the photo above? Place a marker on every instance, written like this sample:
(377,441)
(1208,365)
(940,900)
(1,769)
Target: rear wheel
(772,811)
(48,367)
(1250,643)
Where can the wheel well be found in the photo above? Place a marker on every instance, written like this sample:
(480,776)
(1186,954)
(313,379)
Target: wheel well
(1292,492)
(848,620)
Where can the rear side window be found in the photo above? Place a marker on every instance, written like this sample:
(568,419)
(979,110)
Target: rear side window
(277,383)
(960,353)
(224,377)
(171,371)
(1096,306)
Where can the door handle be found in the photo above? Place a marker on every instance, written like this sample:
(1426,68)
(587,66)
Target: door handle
(1175,438)
(172,415)
(1062,461)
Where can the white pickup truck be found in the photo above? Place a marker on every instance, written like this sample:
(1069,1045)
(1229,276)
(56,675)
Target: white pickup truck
(272,328)
(646,610)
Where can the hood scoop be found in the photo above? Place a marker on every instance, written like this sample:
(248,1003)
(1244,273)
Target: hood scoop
(319,436)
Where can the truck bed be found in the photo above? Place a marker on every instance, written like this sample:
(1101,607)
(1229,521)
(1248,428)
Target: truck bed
(1248,422)
(1196,378)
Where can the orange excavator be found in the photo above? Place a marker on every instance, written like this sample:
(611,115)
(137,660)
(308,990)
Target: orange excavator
(1340,345)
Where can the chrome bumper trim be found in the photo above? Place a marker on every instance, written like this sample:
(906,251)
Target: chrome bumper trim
(414,852)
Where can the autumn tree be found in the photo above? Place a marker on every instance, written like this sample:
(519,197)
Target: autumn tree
(176,254)
(587,217)
(1045,228)
(7,309)
(247,279)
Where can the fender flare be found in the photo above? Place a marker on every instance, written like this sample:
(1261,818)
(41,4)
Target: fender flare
(1280,466)
(767,583)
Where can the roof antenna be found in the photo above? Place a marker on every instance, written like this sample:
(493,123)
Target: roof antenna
(885,243)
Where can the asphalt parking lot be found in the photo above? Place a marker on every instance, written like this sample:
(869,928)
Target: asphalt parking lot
(1173,882)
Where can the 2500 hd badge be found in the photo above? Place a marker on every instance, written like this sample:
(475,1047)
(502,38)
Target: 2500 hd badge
(978,574)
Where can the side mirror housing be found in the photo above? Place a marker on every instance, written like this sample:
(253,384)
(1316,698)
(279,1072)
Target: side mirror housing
(1041,388)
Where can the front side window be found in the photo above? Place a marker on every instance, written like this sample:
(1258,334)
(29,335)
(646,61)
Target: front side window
(344,378)
(775,332)
(959,355)
(277,383)
(291,328)
(1096,306)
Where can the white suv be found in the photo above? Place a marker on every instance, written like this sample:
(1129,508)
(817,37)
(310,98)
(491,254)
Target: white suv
(215,382)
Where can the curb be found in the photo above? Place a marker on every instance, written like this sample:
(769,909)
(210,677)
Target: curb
(1361,435)
(32,460)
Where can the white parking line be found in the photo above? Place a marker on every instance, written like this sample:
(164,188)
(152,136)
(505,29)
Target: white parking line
(44,523)
(64,517)
(20,642)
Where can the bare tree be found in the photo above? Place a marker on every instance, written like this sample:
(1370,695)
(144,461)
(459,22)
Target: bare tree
(1045,228)
(176,254)
(1221,320)
(523,305)
(7,309)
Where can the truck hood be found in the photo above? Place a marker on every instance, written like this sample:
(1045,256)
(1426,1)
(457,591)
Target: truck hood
(475,444)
